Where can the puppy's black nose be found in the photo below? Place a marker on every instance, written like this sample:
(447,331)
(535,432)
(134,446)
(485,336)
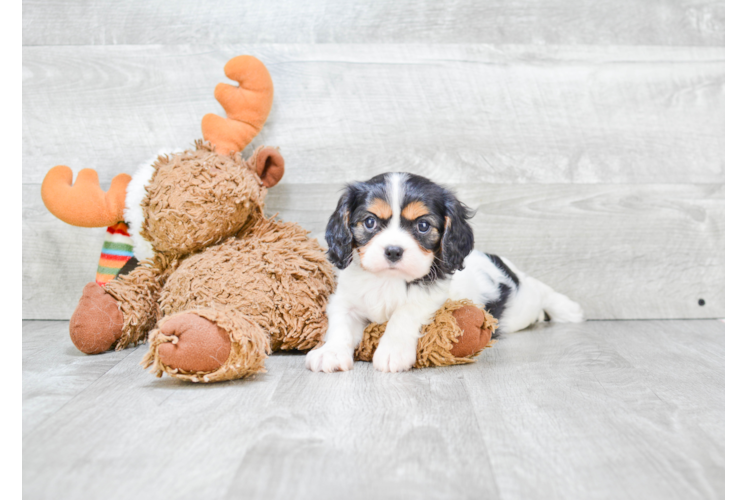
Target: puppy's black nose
(393,254)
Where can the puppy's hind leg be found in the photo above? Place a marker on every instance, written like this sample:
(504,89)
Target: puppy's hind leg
(557,306)
(532,301)
(561,308)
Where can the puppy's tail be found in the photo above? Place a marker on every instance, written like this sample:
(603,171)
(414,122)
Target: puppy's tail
(558,306)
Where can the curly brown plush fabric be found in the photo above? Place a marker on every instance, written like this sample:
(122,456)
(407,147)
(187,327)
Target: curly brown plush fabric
(264,282)
(197,198)
(441,338)
(137,295)
(272,272)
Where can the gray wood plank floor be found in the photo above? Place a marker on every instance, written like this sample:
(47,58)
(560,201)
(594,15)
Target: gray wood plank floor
(629,409)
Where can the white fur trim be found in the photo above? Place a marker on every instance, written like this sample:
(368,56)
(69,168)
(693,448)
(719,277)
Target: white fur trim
(134,212)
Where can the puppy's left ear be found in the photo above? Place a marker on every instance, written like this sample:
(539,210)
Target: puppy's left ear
(338,234)
(457,241)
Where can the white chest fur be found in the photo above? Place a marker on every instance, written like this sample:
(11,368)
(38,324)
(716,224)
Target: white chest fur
(375,296)
(371,296)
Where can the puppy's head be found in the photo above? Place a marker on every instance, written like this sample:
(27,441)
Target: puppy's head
(400,225)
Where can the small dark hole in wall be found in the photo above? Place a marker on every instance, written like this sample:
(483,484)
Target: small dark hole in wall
(702,302)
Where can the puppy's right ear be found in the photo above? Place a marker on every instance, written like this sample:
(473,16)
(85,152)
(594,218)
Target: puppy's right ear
(338,234)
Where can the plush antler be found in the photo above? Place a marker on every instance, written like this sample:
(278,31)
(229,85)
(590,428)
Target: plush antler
(84,203)
(247,106)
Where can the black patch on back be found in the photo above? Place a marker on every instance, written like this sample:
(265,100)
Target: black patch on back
(496,308)
(504,268)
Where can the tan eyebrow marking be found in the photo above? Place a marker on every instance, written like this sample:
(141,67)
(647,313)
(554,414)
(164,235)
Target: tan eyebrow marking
(414,210)
(381,209)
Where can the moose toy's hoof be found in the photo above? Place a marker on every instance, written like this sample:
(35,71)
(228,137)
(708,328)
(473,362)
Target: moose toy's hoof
(476,335)
(96,324)
(203,346)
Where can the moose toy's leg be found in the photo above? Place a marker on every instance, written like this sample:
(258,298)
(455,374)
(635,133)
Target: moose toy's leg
(96,324)
(459,331)
(207,345)
(202,345)
(476,329)
(136,295)
(100,322)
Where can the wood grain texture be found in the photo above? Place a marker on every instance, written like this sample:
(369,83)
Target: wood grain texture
(54,371)
(455,113)
(149,437)
(622,251)
(366,435)
(596,410)
(730,412)
(605,410)
(602,22)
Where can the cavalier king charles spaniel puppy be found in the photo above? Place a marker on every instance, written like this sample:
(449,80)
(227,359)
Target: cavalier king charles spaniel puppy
(404,246)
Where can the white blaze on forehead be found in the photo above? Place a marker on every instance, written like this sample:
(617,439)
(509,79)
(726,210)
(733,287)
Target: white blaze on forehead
(395,189)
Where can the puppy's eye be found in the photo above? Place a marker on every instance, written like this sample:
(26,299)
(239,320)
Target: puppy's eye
(423,226)
(370,223)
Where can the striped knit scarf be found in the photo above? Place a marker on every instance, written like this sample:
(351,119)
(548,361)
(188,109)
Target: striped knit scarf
(115,253)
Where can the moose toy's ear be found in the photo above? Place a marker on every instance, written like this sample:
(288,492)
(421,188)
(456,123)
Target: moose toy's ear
(269,165)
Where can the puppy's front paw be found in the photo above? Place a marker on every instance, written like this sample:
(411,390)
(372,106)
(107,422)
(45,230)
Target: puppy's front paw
(329,358)
(395,355)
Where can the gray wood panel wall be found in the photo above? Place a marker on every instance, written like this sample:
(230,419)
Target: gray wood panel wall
(588,134)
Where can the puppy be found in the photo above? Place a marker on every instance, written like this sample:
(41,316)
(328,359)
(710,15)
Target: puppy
(404,246)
